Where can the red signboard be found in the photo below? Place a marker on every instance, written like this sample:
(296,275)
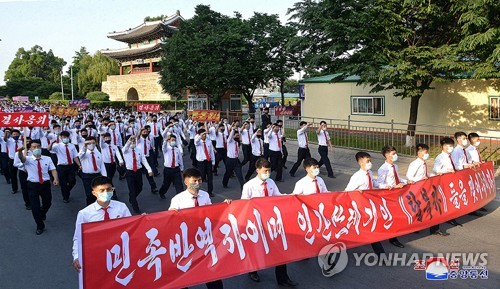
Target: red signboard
(24,119)
(202,115)
(192,246)
(286,110)
(144,107)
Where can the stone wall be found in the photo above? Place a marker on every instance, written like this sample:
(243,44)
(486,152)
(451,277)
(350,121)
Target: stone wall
(147,85)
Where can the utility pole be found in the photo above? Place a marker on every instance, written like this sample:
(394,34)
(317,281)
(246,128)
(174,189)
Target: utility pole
(62,87)
(71,69)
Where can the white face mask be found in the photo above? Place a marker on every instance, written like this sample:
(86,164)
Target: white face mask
(91,147)
(425,157)
(132,146)
(264,176)
(450,150)
(368,166)
(172,143)
(464,142)
(105,197)
(315,172)
(395,158)
(477,143)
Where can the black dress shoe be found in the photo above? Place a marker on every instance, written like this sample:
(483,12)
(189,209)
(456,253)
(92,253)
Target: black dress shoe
(332,177)
(285,167)
(137,211)
(225,187)
(8,182)
(292,175)
(44,217)
(28,208)
(211,195)
(154,191)
(483,210)
(397,243)
(288,283)
(475,213)
(157,174)
(254,276)
(441,233)
(66,201)
(39,231)
(162,197)
(454,223)
(14,192)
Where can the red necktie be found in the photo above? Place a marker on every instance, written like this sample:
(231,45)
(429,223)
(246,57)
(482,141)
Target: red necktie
(30,133)
(106,214)
(145,148)
(317,187)
(249,141)
(196,204)
(396,177)
(114,137)
(111,155)
(236,148)
(154,126)
(479,155)
(466,158)
(326,138)
(134,160)
(7,148)
(260,145)
(452,164)
(425,168)
(266,192)
(173,158)
(40,177)
(207,155)
(224,141)
(68,156)
(279,142)
(94,163)
(48,142)
(370,184)
(15,150)
(307,141)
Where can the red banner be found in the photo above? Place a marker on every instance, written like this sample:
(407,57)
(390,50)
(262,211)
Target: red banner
(178,249)
(144,107)
(286,110)
(202,115)
(24,119)
(63,110)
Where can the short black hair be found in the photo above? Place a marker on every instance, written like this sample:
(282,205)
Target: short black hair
(387,149)
(309,162)
(447,140)
(107,134)
(459,134)
(302,123)
(15,130)
(101,180)
(262,163)
(192,173)
(362,155)
(34,141)
(200,124)
(200,131)
(90,138)
(64,133)
(422,146)
(322,122)
(172,136)
(472,135)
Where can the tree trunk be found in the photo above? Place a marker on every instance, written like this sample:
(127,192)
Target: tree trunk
(412,122)
(282,88)
(251,108)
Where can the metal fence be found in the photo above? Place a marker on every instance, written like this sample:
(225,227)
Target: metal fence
(373,135)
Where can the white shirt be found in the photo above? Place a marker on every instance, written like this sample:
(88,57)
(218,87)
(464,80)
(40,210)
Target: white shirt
(116,137)
(167,154)
(302,137)
(257,146)
(473,154)
(386,176)
(323,138)
(141,142)
(11,145)
(233,151)
(275,143)
(220,140)
(94,213)
(31,165)
(60,150)
(139,157)
(155,132)
(266,135)
(85,156)
(17,161)
(307,186)
(254,188)
(245,136)
(107,156)
(458,155)
(185,200)
(417,170)
(211,133)
(442,163)
(360,181)
(200,149)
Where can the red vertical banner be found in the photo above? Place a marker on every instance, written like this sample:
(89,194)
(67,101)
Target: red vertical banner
(192,246)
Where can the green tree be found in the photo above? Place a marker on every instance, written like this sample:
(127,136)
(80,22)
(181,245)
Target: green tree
(291,86)
(35,64)
(400,44)
(93,70)
(97,96)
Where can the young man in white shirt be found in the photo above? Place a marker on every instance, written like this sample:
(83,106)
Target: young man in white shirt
(257,152)
(418,171)
(173,166)
(325,145)
(102,209)
(233,164)
(205,158)
(220,147)
(246,139)
(459,153)
(193,197)
(473,150)
(388,178)
(303,152)
(92,166)
(38,186)
(276,151)
(312,183)
(263,186)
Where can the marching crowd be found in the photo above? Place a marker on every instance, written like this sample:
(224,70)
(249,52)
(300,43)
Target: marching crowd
(98,144)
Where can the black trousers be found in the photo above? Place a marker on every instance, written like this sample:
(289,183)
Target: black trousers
(378,248)
(247,153)
(67,179)
(121,170)
(110,170)
(233,165)
(158,142)
(87,186)
(324,160)
(37,191)
(285,154)
(221,155)
(13,175)
(213,285)
(302,154)
(266,151)
(276,164)
(192,153)
(207,175)
(153,162)
(151,179)
(281,273)
(171,176)
(4,164)
(23,181)
(434,229)
(134,184)
(251,167)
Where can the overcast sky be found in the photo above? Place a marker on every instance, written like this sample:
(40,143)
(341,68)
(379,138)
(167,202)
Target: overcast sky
(66,25)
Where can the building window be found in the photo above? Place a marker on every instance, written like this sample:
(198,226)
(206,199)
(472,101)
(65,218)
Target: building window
(494,107)
(235,102)
(372,105)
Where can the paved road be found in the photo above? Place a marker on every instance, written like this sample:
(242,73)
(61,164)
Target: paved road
(44,262)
